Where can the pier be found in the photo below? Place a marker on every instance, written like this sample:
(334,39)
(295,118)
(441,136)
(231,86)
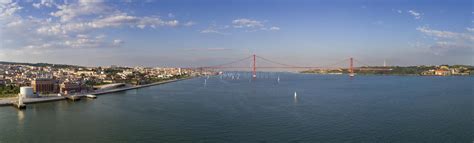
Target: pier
(73,97)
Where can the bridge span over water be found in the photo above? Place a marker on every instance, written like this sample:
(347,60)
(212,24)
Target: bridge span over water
(253,63)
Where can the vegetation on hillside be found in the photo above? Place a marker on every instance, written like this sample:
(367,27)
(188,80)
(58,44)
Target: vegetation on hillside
(398,70)
(9,91)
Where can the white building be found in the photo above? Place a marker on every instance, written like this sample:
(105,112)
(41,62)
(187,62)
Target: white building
(27,92)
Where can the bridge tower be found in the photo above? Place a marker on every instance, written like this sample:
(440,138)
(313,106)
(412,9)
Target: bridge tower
(351,67)
(254,67)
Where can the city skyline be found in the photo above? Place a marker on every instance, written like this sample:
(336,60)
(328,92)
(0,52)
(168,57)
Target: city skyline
(188,33)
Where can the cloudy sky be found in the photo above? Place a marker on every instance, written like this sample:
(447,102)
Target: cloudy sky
(207,32)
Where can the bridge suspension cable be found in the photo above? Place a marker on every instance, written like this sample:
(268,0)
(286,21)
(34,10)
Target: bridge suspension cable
(229,63)
(362,63)
(287,65)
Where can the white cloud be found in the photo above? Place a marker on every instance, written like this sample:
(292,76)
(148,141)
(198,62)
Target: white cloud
(246,23)
(436,33)
(274,28)
(445,34)
(8,9)
(170,15)
(470,29)
(14,23)
(208,30)
(449,42)
(46,3)
(453,48)
(172,23)
(117,20)
(118,42)
(113,21)
(211,30)
(189,23)
(214,28)
(208,49)
(77,25)
(83,8)
(37,5)
(5,1)
(415,14)
(399,11)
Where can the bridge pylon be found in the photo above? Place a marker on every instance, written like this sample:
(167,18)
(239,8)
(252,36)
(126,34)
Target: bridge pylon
(254,67)
(351,67)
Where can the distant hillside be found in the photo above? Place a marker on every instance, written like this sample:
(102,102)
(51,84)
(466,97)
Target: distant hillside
(41,64)
(398,70)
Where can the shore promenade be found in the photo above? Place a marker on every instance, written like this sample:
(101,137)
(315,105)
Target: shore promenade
(9,101)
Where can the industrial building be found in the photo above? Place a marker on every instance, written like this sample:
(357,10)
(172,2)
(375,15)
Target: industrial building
(45,85)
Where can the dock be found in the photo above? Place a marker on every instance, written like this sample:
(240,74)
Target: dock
(91,96)
(73,97)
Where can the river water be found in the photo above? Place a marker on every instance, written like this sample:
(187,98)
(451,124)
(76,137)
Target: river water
(327,108)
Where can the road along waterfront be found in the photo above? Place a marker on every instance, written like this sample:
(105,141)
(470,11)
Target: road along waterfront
(9,101)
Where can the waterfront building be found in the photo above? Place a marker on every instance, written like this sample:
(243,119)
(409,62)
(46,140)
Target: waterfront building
(44,85)
(27,92)
(71,87)
(442,72)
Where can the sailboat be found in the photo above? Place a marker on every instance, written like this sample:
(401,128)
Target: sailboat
(278,79)
(295,95)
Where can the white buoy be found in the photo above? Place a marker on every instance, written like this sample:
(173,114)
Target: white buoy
(295,95)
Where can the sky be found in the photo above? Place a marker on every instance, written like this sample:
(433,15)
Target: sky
(190,33)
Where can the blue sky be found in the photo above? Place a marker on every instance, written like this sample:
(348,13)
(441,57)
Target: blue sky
(206,32)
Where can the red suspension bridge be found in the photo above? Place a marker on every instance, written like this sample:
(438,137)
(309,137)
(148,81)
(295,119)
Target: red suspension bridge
(250,62)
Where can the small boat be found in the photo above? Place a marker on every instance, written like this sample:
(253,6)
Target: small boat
(91,96)
(278,80)
(351,74)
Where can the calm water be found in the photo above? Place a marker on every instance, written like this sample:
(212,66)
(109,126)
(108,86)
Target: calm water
(327,109)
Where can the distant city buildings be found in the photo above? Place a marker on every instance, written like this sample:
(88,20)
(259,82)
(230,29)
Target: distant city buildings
(447,71)
(67,79)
